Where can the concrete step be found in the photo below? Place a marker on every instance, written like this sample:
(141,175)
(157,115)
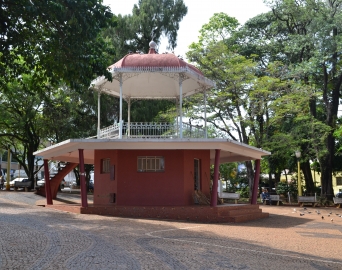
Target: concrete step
(247,217)
(232,211)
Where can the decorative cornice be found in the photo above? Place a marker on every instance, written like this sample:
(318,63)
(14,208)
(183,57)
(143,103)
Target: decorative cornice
(164,70)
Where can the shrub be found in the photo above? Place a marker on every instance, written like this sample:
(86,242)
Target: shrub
(284,189)
(244,192)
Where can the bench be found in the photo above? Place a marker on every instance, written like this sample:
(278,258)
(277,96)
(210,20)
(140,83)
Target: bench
(230,196)
(26,185)
(226,195)
(307,199)
(338,201)
(274,198)
(74,188)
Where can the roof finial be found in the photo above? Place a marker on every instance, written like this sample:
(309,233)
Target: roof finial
(152,44)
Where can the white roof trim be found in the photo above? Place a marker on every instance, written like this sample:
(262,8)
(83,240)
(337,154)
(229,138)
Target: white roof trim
(230,150)
(117,70)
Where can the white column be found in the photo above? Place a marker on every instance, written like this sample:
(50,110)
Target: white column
(205,114)
(98,114)
(177,121)
(120,118)
(180,106)
(129,117)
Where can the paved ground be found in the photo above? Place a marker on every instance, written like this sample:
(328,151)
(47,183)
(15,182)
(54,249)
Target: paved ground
(34,237)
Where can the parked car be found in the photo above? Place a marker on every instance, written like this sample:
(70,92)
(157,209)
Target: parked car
(41,183)
(339,195)
(21,179)
(91,186)
(19,173)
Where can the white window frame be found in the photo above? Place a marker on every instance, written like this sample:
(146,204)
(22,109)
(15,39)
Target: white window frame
(150,164)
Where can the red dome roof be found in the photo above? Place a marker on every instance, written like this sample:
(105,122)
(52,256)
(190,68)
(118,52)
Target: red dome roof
(152,76)
(152,59)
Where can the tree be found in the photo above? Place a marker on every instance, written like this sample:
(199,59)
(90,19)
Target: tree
(228,173)
(305,36)
(231,107)
(60,38)
(71,114)
(314,31)
(21,122)
(150,19)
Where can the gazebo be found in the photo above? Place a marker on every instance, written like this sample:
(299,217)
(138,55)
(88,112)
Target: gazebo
(152,76)
(145,168)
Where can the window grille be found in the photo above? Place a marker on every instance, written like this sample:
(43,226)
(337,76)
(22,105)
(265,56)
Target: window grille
(105,165)
(150,164)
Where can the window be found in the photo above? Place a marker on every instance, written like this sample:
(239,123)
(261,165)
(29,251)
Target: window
(150,164)
(105,163)
(338,181)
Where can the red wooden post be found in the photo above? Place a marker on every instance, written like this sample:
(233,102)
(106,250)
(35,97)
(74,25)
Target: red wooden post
(84,201)
(47,183)
(213,201)
(256,182)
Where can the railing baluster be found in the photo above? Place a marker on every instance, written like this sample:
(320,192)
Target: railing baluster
(153,130)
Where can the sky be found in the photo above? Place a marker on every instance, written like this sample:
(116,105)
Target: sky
(199,13)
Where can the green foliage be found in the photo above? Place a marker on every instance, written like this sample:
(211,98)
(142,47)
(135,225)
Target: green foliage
(71,114)
(21,123)
(150,110)
(150,19)
(60,38)
(219,28)
(230,98)
(305,37)
(228,171)
(283,188)
(244,192)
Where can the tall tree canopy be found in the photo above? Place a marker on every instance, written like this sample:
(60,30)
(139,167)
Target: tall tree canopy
(305,36)
(314,35)
(22,125)
(58,37)
(150,19)
(230,105)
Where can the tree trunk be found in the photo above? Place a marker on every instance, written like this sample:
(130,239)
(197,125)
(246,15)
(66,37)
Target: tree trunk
(250,175)
(326,169)
(309,184)
(277,176)
(30,167)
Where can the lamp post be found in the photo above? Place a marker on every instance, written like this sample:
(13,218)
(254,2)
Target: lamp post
(298,155)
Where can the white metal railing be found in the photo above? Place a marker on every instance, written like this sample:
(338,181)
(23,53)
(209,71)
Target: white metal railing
(110,132)
(152,131)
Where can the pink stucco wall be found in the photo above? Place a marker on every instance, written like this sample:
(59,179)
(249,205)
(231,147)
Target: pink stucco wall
(173,187)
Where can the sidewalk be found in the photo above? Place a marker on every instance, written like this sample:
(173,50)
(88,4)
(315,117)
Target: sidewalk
(65,197)
(43,238)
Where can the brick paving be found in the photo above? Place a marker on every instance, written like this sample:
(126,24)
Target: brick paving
(34,237)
